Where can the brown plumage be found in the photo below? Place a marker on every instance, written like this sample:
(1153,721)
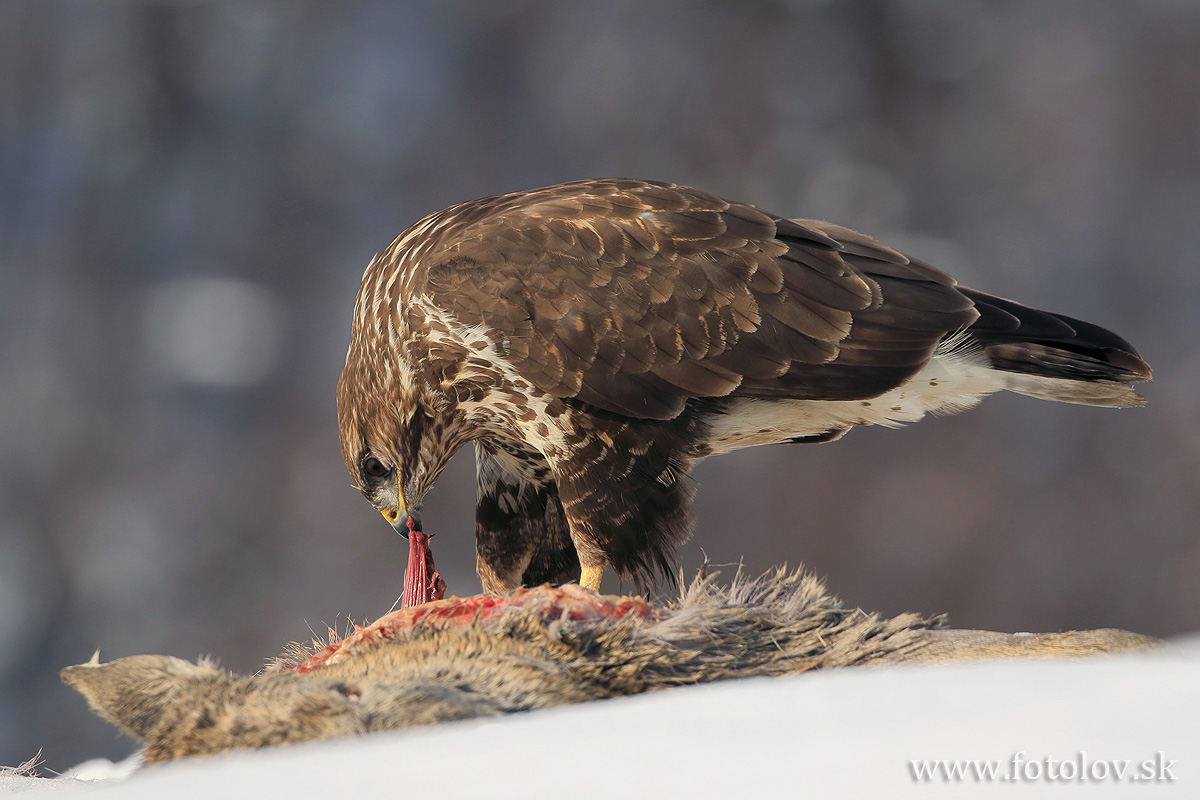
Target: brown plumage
(594,339)
(780,624)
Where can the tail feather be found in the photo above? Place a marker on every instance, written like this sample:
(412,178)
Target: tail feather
(1065,390)
(1056,357)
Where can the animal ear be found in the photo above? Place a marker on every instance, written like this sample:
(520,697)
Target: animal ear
(133,692)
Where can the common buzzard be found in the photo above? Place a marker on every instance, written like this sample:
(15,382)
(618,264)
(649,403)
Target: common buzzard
(595,339)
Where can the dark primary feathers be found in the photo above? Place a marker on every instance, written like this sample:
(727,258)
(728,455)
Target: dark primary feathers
(596,338)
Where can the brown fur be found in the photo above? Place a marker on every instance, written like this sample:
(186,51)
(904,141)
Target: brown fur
(782,623)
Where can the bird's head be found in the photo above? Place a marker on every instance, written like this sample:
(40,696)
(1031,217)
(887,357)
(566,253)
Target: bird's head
(398,413)
(395,446)
(388,479)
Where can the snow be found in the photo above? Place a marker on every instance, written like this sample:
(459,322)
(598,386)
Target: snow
(841,733)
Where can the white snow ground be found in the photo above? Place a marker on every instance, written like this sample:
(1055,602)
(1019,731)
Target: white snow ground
(841,733)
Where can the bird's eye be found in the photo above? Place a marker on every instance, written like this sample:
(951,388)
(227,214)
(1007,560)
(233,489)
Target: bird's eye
(372,467)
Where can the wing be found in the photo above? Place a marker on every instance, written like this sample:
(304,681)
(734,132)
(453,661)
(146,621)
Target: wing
(634,296)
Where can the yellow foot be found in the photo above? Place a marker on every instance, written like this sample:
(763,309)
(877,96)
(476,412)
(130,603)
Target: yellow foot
(589,577)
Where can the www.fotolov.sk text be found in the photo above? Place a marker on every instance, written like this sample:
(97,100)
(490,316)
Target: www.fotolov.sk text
(1023,769)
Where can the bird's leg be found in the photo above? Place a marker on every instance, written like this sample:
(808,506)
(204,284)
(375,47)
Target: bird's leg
(521,534)
(617,515)
(589,577)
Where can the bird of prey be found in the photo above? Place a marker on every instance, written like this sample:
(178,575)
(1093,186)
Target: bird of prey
(593,340)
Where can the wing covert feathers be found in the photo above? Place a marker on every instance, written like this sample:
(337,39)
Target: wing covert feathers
(634,297)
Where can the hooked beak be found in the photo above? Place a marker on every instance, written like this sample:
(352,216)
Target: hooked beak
(398,518)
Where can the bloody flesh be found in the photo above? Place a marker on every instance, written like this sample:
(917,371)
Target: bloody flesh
(424,602)
(422,583)
(550,603)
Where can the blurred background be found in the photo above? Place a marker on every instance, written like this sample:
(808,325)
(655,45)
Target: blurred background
(189,192)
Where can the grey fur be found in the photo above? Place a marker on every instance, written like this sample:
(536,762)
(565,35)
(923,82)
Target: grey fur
(779,624)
